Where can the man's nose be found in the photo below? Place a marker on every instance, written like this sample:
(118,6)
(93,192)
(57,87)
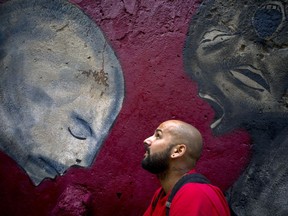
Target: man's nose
(147,141)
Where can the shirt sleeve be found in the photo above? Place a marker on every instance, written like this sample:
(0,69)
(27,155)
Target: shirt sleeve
(193,200)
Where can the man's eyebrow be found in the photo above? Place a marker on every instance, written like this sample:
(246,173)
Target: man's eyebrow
(158,130)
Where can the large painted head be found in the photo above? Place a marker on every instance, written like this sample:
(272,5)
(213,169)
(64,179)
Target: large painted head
(61,86)
(237,53)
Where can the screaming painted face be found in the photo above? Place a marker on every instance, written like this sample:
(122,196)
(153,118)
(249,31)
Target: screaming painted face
(236,51)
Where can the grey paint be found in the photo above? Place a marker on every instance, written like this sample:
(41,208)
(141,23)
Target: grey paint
(61,86)
(237,53)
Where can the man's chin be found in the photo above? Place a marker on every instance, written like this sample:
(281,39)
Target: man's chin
(157,170)
(144,164)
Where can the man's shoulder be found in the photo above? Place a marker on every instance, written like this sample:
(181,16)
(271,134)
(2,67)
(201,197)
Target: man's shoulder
(202,190)
(195,186)
(203,196)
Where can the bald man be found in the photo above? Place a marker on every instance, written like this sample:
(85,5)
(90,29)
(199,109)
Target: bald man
(171,153)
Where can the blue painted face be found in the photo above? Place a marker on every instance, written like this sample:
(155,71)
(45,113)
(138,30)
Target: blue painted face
(238,56)
(61,91)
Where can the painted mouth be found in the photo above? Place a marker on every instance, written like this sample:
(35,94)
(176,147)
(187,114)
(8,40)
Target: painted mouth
(52,166)
(251,77)
(218,108)
(268,19)
(273,5)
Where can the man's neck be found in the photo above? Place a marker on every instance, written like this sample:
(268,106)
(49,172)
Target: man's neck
(170,178)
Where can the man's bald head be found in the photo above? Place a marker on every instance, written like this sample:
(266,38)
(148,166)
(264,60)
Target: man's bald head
(184,133)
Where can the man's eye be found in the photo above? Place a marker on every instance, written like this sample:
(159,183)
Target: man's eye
(157,135)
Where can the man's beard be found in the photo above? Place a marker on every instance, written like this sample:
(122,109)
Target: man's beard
(158,162)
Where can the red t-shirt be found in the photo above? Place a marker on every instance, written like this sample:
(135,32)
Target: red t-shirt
(193,199)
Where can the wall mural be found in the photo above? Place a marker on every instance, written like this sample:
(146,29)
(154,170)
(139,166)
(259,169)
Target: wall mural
(237,53)
(72,131)
(61,86)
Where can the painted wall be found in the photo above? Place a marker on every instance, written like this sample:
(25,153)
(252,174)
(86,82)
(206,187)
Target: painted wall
(237,53)
(150,40)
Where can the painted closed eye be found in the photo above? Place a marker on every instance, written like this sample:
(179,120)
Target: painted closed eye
(80,129)
(250,77)
(215,37)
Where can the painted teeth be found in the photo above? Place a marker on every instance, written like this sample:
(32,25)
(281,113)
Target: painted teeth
(272,7)
(207,97)
(218,121)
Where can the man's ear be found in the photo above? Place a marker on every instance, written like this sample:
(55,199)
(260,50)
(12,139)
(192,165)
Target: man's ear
(178,150)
